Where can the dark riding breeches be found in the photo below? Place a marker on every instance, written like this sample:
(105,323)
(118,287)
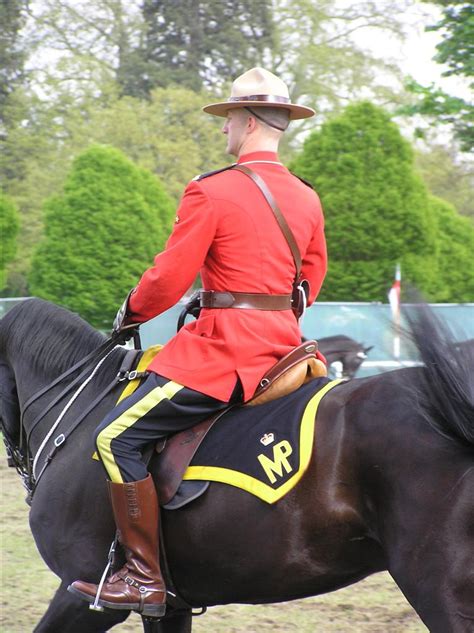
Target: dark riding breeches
(158,408)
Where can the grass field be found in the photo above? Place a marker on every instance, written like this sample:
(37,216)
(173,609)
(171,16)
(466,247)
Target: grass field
(372,606)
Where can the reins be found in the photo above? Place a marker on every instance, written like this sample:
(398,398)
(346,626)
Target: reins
(104,348)
(27,467)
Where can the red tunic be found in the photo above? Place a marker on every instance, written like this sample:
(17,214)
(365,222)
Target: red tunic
(226,231)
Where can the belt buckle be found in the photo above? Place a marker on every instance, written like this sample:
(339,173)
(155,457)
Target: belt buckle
(203,295)
(212,298)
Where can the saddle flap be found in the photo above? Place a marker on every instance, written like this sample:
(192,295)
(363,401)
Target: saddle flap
(176,455)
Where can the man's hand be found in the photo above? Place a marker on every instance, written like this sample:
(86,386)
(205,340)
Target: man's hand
(122,328)
(192,307)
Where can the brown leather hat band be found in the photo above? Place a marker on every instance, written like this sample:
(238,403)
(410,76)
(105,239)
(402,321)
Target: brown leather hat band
(268,98)
(245,300)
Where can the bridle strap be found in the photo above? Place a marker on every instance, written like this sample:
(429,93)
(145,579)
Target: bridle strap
(60,440)
(102,350)
(104,347)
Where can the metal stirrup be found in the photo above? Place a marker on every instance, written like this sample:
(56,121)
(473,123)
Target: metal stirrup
(95,606)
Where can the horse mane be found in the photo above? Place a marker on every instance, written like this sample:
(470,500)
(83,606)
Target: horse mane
(51,338)
(445,389)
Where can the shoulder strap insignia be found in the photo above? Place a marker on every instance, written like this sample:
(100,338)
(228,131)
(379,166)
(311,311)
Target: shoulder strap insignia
(215,171)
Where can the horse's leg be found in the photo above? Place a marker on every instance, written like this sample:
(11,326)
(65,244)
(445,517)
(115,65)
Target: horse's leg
(441,601)
(177,622)
(435,570)
(67,614)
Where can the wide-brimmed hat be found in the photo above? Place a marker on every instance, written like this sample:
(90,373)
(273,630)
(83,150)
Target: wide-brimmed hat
(259,87)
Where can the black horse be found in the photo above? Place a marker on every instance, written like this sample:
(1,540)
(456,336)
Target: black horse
(344,350)
(390,487)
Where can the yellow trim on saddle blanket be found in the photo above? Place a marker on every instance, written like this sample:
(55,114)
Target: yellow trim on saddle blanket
(259,488)
(146,358)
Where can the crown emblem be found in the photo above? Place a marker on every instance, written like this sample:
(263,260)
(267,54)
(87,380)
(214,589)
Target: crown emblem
(267,439)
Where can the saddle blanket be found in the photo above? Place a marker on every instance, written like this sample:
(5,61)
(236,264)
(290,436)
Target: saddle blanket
(262,449)
(265,449)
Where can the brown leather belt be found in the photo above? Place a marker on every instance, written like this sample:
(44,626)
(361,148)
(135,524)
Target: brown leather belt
(246,300)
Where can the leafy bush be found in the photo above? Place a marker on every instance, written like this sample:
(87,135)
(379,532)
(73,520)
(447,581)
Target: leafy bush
(376,207)
(455,279)
(9,225)
(100,234)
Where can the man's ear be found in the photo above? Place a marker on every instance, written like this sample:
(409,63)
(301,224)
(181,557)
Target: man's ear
(251,124)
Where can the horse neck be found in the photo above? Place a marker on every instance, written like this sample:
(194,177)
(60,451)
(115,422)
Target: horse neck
(79,395)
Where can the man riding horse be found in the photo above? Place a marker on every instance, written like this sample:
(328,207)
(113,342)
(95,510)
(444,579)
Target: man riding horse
(225,229)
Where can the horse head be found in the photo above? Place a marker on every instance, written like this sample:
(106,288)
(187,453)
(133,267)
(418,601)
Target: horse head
(353,359)
(38,340)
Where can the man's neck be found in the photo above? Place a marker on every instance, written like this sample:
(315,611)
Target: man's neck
(259,145)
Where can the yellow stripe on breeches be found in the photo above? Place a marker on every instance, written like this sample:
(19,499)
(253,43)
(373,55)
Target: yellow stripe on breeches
(127,419)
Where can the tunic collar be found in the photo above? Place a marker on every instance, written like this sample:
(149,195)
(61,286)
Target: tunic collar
(259,156)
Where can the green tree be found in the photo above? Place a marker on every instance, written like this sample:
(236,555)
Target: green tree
(86,45)
(195,43)
(9,225)
(132,47)
(167,134)
(455,280)
(318,50)
(12,52)
(100,234)
(456,49)
(376,207)
(448,175)
(440,107)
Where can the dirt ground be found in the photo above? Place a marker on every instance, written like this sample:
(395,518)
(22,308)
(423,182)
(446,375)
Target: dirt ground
(374,605)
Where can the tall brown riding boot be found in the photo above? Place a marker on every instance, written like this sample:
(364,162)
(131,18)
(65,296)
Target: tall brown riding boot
(139,585)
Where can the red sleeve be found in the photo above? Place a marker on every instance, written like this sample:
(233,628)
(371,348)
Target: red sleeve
(314,265)
(175,269)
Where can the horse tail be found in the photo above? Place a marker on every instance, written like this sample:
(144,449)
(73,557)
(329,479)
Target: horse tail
(446,391)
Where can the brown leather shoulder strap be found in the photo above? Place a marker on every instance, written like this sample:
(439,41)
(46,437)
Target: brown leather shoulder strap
(280,218)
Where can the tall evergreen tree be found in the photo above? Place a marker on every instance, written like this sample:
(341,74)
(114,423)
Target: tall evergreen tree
(9,225)
(455,280)
(12,54)
(196,43)
(100,234)
(376,207)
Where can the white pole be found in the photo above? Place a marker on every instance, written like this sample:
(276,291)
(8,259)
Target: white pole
(394,299)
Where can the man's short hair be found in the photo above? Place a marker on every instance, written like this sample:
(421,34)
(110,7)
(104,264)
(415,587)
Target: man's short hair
(278,118)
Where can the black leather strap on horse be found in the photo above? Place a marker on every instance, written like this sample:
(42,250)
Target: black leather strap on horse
(124,373)
(245,300)
(103,349)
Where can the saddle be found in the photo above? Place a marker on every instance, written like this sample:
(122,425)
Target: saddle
(298,367)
